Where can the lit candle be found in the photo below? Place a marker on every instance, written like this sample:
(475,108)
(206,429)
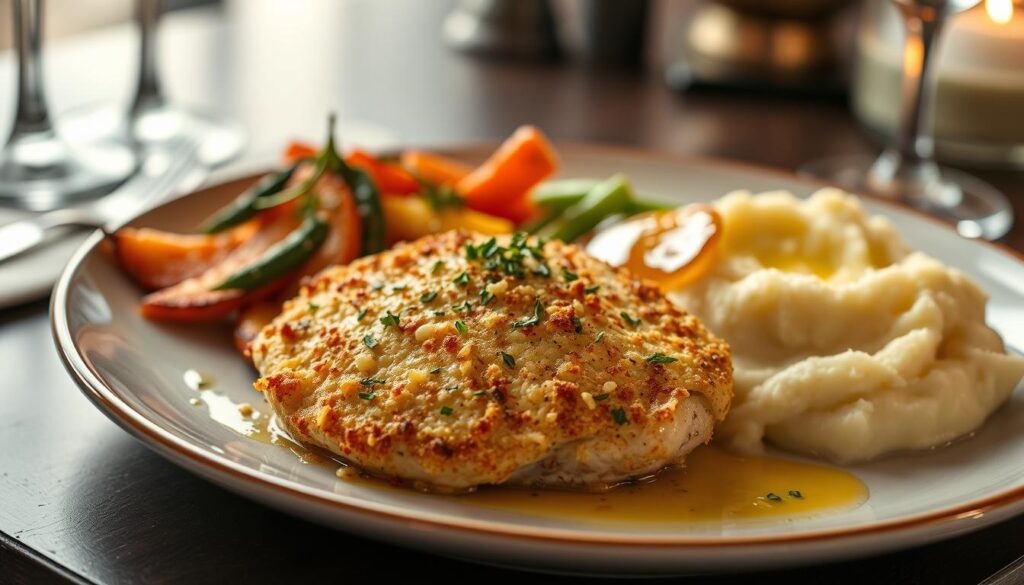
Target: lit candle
(979,108)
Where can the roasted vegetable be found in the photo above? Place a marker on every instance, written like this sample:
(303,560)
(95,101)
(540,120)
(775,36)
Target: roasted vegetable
(410,218)
(611,197)
(244,207)
(281,258)
(390,178)
(194,299)
(158,259)
(501,185)
(553,198)
(434,169)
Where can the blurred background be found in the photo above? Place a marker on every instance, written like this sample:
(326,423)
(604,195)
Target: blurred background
(776,82)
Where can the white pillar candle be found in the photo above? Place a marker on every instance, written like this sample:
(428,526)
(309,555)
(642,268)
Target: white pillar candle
(979,109)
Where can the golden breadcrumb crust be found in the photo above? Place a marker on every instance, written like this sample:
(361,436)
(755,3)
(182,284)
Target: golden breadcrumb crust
(396,363)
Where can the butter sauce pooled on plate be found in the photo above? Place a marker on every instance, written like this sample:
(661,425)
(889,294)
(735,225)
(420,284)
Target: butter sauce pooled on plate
(713,486)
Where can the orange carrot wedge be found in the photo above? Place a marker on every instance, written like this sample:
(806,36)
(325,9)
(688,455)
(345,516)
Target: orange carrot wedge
(499,184)
(434,168)
(193,300)
(391,179)
(158,259)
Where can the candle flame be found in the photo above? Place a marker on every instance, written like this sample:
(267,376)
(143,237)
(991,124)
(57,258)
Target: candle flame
(1000,11)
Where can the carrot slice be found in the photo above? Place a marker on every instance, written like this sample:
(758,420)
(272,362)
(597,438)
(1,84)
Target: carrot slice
(495,187)
(296,151)
(391,179)
(158,259)
(434,168)
(344,242)
(193,300)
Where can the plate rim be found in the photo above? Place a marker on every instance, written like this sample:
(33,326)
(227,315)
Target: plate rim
(227,472)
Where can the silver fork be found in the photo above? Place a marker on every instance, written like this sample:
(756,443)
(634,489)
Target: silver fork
(165,171)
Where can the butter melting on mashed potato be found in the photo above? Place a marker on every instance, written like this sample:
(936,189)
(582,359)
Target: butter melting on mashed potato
(846,344)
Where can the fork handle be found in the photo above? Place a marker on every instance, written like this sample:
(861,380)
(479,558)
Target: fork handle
(23,235)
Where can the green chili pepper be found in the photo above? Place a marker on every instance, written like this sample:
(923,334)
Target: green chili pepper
(610,197)
(281,258)
(362,187)
(371,214)
(244,207)
(297,191)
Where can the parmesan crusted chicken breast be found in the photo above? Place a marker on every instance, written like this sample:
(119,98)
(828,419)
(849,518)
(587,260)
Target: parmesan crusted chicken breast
(455,361)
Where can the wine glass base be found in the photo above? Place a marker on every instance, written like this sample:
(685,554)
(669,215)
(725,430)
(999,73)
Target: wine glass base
(43,173)
(976,209)
(155,127)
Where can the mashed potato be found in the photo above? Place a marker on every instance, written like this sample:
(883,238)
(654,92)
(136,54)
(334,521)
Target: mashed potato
(846,344)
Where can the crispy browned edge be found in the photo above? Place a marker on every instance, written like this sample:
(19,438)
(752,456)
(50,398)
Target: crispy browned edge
(134,423)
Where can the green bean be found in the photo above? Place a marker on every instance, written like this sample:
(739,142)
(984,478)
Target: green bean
(244,207)
(281,258)
(553,198)
(610,197)
(562,194)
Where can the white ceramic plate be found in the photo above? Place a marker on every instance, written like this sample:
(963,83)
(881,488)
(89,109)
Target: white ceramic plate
(132,370)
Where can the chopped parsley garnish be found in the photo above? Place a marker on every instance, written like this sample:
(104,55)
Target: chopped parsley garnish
(490,248)
(436,267)
(660,358)
(543,270)
(796,494)
(507,259)
(371,381)
(435,371)
(620,416)
(538,314)
(592,289)
(569,276)
(773,497)
(463,307)
(577,325)
(462,279)
(446,410)
(360,314)
(629,318)
(389,319)
(426,298)
(601,397)
(313,306)
(399,287)
(480,393)
(451,389)
(486,296)
(600,337)
(509,360)
(439,312)
(366,395)
(461,327)
(369,341)
(377,286)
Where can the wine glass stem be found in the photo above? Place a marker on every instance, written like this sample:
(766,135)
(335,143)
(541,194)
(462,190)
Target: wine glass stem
(914,139)
(148,94)
(31,115)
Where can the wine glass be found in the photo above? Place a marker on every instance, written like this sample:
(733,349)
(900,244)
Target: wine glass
(154,123)
(39,170)
(906,171)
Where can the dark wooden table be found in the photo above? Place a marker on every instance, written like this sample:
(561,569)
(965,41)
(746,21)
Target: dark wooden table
(82,501)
